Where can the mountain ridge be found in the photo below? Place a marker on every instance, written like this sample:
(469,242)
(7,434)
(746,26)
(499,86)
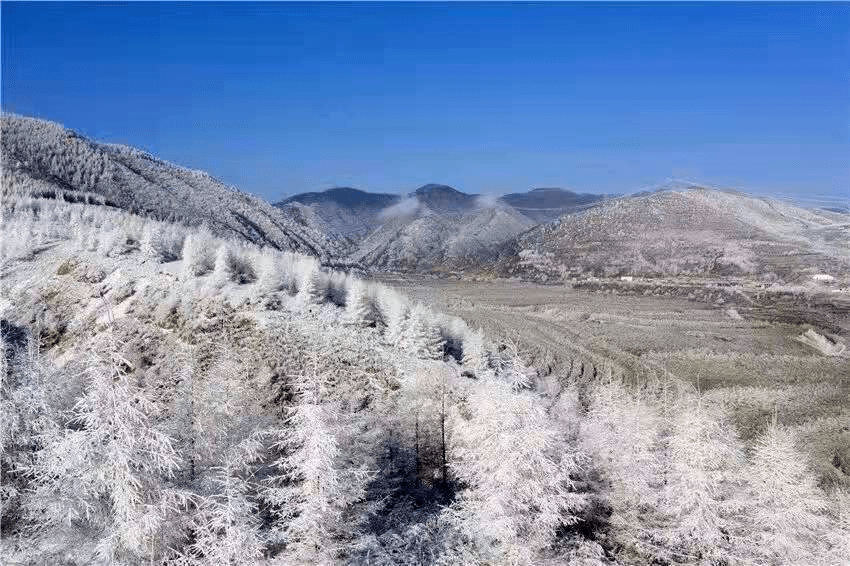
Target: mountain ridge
(43,158)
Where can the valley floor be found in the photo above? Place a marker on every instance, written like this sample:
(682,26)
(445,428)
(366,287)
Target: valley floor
(755,367)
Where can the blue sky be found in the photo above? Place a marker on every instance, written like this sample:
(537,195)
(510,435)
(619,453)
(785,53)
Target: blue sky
(284,98)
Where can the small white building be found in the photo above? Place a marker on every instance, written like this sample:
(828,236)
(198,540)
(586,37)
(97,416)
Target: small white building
(823,277)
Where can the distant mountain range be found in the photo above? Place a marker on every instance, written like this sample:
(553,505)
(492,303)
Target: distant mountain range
(544,234)
(343,211)
(547,204)
(434,226)
(349,212)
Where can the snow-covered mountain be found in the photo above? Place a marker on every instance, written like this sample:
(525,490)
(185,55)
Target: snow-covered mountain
(41,158)
(686,231)
(433,240)
(547,204)
(444,199)
(343,211)
(433,227)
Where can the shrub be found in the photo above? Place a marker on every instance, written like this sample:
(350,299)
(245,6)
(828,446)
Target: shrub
(198,254)
(161,242)
(233,264)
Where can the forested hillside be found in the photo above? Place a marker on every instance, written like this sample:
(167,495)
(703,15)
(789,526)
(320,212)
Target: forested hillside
(43,159)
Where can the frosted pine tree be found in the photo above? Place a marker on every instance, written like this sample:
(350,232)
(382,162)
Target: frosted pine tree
(517,470)
(422,338)
(102,482)
(224,448)
(198,253)
(270,277)
(621,434)
(361,305)
(151,244)
(184,425)
(789,518)
(223,412)
(26,417)
(226,524)
(309,491)
(338,284)
(233,263)
(395,310)
(474,354)
(427,389)
(312,290)
(702,496)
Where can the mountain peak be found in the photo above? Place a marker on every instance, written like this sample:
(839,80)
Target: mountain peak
(431,188)
(443,198)
(343,196)
(544,204)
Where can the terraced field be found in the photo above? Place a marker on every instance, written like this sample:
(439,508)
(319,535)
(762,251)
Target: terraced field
(750,359)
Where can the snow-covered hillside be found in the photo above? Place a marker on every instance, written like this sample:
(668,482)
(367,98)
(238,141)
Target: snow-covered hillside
(691,231)
(344,211)
(41,158)
(433,240)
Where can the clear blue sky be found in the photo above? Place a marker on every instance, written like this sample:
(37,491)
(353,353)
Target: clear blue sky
(284,98)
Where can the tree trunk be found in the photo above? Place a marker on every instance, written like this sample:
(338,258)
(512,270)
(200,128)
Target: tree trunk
(417,449)
(443,441)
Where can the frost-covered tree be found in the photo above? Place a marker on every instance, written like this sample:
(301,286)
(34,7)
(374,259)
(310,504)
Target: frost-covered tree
(199,253)
(270,275)
(621,434)
(338,288)
(302,268)
(427,390)
(509,367)
(100,486)
(789,516)
(26,416)
(224,411)
(226,526)
(313,286)
(422,338)
(233,264)
(160,242)
(701,498)
(474,352)
(151,243)
(361,304)
(395,310)
(184,426)
(516,469)
(310,490)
